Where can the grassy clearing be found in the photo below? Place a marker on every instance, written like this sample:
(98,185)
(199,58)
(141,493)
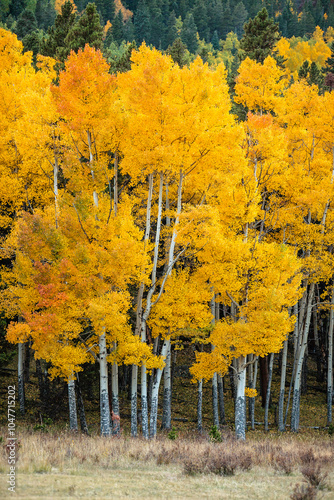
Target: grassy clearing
(60,466)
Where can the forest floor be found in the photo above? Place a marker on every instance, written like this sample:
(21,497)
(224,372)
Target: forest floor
(55,466)
(53,463)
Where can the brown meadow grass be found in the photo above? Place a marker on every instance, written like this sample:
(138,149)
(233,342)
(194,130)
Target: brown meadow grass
(52,466)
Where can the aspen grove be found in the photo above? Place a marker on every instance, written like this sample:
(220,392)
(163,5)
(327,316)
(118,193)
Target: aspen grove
(139,212)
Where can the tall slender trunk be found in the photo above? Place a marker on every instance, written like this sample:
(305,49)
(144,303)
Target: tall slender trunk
(240,413)
(72,404)
(299,311)
(199,405)
(281,425)
(155,392)
(167,397)
(134,378)
(104,398)
(114,398)
(215,413)
(270,376)
(20,375)
(164,351)
(81,408)
(299,364)
(141,330)
(330,363)
(220,381)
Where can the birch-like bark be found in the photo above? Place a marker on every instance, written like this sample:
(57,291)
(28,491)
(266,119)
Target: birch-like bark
(240,407)
(134,378)
(281,425)
(114,398)
(266,408)
(145,315)
(215,413)
(299,364)
(156,384)
(199,405)
(167,396)
(297,335)
(104,398)
(155,392)
(330,363)
(20,376)
(72,405)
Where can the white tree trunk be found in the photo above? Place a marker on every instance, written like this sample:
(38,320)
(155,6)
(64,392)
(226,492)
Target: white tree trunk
(299,364)
(72,404)
(281,424)
(215,413)
(114,398)
(220,381)
(266,409)
(240,413)
(199,405)
(167,397)
(104,398)
(155,392)
(134,379)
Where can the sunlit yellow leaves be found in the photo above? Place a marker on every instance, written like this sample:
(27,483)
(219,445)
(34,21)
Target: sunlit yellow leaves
(184,305)
(85,89)
(18,332)
(259,86)
(296,51)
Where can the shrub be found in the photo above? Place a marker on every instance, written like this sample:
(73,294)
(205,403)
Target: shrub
(283,462)
(173,434)
(314,475)
(304,492)
(215,434)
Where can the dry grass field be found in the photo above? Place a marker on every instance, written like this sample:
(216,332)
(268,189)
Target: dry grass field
(51,466)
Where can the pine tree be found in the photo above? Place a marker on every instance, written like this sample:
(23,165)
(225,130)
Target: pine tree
(117,31)
(129,31)
(26,23)
(178,52)
(87,30)
(157,27)
(260,37)
(142,23)
(227,25)
(171,31)
(189,34)
(329,70)
(215,40)
(215,12)
(240,15)
(54,45)
(201,19)
(45,14)
(16,7)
